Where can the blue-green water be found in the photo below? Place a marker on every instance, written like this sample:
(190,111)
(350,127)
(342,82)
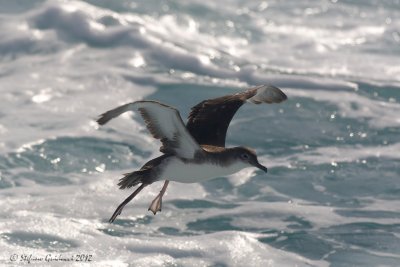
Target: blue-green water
(331,196)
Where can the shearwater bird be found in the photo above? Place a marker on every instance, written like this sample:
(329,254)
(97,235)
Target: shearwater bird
(195,152)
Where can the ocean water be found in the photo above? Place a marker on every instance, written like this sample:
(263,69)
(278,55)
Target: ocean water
(332,193)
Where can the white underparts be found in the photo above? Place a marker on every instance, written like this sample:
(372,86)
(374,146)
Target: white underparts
(175,169)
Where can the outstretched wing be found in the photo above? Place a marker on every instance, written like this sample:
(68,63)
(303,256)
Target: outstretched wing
(208,121)
(164,123)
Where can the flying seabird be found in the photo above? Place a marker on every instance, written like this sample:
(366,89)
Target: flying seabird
(195,152)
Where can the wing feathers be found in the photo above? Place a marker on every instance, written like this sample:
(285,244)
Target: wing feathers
(105,117)
(164,123)
(207,123)
(209,120)
(267,94)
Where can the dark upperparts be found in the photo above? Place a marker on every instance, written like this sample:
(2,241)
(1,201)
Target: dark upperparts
(208,121)
(212,149)
(231,152)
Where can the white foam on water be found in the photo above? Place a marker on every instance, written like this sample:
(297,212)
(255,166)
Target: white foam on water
(354,153)
(380,113)
(329,155)
(50,214)
(173,45)
(65,62)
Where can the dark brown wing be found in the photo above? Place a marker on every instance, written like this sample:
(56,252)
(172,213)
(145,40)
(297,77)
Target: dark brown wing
(208,121)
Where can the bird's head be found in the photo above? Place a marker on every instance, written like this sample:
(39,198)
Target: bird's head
(248,157)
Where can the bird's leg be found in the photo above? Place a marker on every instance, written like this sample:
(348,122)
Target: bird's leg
(157,202)
(126,201)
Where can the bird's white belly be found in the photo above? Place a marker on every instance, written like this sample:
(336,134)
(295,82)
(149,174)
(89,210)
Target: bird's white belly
(179,171)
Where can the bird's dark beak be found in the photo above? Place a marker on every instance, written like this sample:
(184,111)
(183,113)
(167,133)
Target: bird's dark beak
(261,167)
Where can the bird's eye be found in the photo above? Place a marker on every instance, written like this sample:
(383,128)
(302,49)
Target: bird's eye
(244,156)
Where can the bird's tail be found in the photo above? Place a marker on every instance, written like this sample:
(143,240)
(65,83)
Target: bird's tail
(133,178)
